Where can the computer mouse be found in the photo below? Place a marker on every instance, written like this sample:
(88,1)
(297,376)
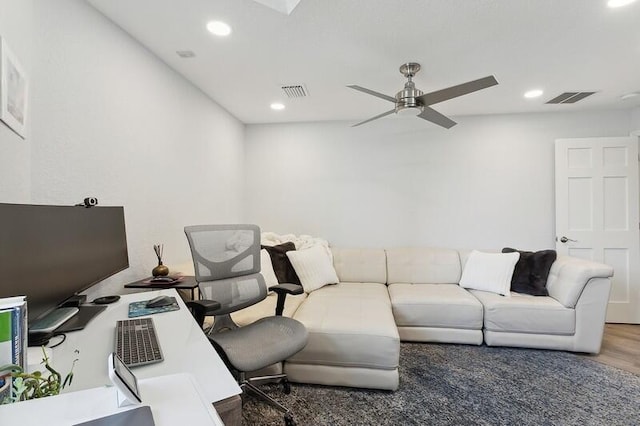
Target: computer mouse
(160,301)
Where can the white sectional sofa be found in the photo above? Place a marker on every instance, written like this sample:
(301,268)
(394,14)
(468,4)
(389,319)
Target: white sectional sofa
(413,294)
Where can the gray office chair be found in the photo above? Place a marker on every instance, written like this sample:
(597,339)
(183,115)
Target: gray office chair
(226,260)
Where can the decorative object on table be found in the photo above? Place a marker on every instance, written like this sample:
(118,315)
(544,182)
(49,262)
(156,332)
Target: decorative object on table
(160,270)
(14,88)
(164,280)
(139,309)
(37,384)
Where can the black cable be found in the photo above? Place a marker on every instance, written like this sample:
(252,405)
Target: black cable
(64,337)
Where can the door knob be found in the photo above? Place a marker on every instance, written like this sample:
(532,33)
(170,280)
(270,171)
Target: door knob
(565,239)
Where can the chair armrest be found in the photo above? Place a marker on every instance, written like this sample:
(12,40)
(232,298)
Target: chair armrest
(282,290)
(287,288)
(203,308)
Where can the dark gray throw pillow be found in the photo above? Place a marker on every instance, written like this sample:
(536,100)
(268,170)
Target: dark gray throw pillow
(532,270)
(281,264)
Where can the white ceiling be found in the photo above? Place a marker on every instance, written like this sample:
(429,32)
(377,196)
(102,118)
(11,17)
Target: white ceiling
(555,45)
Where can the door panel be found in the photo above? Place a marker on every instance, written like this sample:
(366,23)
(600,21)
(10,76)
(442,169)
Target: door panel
(597,198)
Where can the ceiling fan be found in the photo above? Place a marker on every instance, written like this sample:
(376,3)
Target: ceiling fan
(411,101)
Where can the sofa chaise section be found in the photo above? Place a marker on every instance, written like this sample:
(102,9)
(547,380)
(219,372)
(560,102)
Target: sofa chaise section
(353,339)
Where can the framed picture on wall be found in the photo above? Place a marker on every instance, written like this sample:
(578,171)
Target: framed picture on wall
(14,89)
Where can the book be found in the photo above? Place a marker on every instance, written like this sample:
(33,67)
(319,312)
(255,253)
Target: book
(13,340)
(138,309)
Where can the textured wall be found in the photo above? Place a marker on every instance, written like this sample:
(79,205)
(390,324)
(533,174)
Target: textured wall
(486,183)
(110,120)
(15,164)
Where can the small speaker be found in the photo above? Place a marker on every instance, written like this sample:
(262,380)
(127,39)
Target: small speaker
(106,300)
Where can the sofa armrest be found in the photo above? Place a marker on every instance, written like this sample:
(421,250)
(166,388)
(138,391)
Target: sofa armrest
(569,275)
(282,290)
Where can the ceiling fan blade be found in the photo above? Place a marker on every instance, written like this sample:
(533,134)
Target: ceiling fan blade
(373,93)
(376,117)
(435,117)
(459,90)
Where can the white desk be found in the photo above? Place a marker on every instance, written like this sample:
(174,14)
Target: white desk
(173,399)
(184,346)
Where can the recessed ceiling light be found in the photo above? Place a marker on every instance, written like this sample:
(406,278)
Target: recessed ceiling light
(630,95)
(277,106)
(619,3)
(186,53)
(219,28)
(533,93)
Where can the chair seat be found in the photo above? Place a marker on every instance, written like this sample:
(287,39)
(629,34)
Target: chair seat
(277,337)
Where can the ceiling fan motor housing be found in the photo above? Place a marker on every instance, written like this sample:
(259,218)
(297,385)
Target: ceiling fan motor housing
(406,99)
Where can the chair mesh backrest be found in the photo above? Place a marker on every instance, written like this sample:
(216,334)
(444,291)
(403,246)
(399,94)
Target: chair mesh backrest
(226,260)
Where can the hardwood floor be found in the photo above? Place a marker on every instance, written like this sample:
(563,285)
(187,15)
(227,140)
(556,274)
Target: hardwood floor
(620,347)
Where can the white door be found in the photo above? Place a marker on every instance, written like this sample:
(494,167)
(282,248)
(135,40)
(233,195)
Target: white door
(597,213)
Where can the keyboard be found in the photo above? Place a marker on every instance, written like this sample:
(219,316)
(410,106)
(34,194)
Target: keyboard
(136,342)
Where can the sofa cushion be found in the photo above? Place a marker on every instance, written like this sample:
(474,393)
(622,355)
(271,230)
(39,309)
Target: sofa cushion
(281,264)
(531,272)
(423,266)
(266,269)
(349,325)
(523,313)
(489,272)
(360,265)
(435,305)
(267,308)
(314,267)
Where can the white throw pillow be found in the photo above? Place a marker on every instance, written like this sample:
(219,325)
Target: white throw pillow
(489,271)
(314,267)
(266,269)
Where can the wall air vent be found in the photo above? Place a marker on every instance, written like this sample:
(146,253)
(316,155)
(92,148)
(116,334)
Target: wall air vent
(295,90)
(570,97)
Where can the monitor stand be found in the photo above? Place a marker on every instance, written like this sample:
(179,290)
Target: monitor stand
(81,319)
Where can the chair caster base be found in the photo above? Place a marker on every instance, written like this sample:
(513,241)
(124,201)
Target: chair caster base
(286,386)
(288,420)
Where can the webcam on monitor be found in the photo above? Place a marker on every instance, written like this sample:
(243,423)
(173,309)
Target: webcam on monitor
(88,202)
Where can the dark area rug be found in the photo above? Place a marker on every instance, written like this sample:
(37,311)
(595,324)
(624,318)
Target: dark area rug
(444,384)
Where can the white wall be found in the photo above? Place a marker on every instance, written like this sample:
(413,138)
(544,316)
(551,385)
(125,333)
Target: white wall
(15,164)
(486,183)
(635,121)
(110,120)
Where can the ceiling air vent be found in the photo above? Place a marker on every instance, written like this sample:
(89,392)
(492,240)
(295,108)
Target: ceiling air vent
(570,97)
(295,90)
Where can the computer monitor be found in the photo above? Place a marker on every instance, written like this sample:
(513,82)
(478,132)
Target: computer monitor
(51,253)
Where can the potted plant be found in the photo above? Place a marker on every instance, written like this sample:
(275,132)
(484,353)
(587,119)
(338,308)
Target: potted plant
(37,384)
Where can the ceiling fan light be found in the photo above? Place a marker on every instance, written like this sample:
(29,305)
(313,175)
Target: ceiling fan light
(409,111)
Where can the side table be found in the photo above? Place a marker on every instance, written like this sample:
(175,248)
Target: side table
(186,283)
